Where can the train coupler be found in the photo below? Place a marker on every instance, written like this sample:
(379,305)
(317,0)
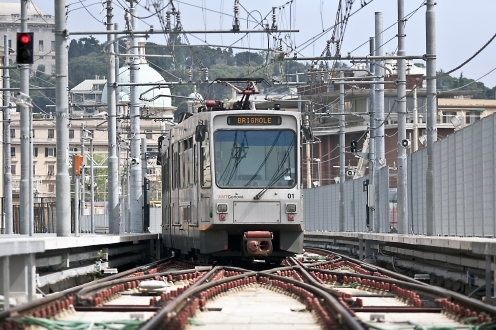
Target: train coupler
(258,243)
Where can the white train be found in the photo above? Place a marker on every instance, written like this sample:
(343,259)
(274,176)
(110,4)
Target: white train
(231,184)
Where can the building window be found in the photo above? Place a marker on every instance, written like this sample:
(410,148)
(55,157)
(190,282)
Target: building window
(12,133)
(53,46)
(51,188)
(10,43)
(35,152)
(447,116)
(151,171)
(41,57)
(149,134)
(40,45)
(51,133)
(472,116)
(54,69)
(71,134)
(34,169)
(51,170)
(12,151)
(13,169)
(73,151)
(32,133)
(50,152)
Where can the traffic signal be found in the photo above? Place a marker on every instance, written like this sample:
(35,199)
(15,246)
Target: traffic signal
(24,51)
(353,146)
(77,163)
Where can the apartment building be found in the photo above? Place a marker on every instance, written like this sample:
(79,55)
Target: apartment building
(40,23)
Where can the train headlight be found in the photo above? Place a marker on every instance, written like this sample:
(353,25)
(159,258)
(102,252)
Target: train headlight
(290,208)
(221,208)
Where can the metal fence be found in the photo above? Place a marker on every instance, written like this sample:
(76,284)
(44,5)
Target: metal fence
(45,221)
(464,183)
(44,216)
(321,205)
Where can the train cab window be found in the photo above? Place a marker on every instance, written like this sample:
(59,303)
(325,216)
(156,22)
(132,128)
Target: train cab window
(205,169)
(254,158)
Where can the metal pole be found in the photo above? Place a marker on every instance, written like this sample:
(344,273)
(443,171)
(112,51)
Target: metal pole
(62,122)
(307,152)
(76,205)
(122,206)
(415,121)
(30,170)
(7,174)
(92,193)
(24,207)
(113,164)
(372,158)
(430,26)
(143,179)
(135,193)
(83,177)
(342,154)
(379,110)
(402,163)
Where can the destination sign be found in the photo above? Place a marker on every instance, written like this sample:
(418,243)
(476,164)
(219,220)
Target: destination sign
(254,120)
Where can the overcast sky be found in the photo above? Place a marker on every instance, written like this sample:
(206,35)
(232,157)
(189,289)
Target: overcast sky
(462,27)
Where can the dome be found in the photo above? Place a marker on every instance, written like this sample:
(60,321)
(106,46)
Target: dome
(146,75)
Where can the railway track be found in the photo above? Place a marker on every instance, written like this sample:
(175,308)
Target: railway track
(318,290)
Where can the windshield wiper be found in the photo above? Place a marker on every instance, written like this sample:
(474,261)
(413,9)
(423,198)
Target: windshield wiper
(271,184)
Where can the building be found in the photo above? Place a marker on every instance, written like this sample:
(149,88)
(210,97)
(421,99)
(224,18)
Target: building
(40,23)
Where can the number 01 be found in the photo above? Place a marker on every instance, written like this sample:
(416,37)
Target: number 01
(290,196)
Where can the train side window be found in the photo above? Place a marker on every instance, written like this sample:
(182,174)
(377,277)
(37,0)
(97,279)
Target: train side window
(206,176)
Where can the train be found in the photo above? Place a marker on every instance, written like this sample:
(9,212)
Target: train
(231,183)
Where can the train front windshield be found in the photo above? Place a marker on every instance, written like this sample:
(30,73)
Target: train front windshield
(251,158)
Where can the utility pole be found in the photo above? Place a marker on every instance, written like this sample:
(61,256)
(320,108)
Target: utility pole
(403,143)
(430,27)
(372,158)
(63,192)
(134,114)
(113,163)
(92,193)
(24,207)
(7,159)
(379,110)
(342,154)
(83,177)
(306,122)
(415,121)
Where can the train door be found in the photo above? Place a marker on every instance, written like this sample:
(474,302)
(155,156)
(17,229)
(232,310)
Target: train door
(176,219)
(166,199)
(205,184)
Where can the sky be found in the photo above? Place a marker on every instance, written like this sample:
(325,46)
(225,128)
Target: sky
(462,27)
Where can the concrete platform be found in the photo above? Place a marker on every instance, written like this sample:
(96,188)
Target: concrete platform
(49,262)
(459,259)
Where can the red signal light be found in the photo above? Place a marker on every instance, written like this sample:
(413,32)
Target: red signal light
(24,50)
(24,39)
